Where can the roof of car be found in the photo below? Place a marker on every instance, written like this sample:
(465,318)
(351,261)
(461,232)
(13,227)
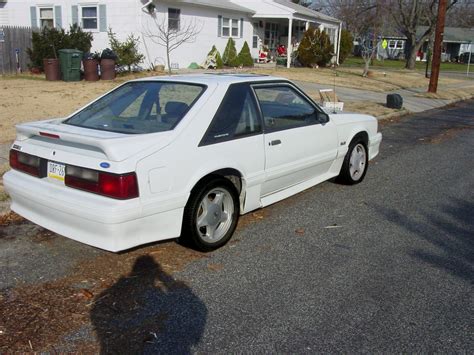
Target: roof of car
(209,78)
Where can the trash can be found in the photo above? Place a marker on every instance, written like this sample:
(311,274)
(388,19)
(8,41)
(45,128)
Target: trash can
(70,64)
(51,69)
(107,69)
(91,69)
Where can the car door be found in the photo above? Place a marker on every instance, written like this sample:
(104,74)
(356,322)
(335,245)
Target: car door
(300,141)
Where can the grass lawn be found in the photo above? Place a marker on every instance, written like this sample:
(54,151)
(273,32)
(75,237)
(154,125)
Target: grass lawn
(400,64)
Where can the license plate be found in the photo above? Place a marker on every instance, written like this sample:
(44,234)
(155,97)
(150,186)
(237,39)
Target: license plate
(56,170)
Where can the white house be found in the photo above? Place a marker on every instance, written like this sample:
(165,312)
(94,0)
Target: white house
(260,23)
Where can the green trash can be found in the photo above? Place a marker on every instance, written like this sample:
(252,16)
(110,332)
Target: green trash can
(70,60)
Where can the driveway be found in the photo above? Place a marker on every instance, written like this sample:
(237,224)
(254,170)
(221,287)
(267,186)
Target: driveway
(383,266)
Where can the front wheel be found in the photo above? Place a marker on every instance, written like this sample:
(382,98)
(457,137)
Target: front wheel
(211,215)
(355,163)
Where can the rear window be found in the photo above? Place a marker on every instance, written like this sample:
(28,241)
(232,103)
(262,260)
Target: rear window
(139,107)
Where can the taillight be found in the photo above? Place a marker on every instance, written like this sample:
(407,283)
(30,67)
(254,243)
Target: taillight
(26,163)
(119,186)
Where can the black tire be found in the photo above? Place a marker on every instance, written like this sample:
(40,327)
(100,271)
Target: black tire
(193,235)
(345,176)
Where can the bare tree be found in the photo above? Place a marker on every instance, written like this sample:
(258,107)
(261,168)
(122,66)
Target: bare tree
(410,14)
(172,37)
(461,15)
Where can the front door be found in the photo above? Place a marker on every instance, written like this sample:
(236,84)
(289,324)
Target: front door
(300,143)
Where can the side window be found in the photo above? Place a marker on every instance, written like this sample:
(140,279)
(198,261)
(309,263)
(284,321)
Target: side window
(236,117)
(283,107)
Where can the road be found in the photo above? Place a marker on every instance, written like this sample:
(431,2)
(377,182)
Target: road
(383,266)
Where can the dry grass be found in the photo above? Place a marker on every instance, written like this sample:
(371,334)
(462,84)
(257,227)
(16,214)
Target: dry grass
(352,78)
(450,94)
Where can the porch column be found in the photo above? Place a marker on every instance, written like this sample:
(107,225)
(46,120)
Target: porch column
(307,26)
(289,48)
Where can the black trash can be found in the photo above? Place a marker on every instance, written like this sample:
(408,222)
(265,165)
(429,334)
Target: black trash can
(394,101)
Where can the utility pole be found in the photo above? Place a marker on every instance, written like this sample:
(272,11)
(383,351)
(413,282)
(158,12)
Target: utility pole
(437,46)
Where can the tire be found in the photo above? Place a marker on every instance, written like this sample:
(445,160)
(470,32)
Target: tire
(208,225)
(355,163)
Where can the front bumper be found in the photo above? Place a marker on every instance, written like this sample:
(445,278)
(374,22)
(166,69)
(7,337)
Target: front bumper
(109,224)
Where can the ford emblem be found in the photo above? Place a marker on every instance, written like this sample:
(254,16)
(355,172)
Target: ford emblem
(104,165)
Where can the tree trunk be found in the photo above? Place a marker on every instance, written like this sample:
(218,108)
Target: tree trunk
(168,58)
(366,66)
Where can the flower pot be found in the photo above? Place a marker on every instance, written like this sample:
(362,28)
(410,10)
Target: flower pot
(91,72)
(51,69)
(107,69)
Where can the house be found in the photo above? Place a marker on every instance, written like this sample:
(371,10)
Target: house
(263,23)
(456,42)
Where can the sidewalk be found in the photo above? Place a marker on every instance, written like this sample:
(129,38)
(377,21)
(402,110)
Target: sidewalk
(410,102)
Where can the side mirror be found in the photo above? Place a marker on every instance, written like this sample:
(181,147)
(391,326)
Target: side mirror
(323,117)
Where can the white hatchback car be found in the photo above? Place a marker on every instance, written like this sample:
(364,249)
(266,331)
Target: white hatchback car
(166,157)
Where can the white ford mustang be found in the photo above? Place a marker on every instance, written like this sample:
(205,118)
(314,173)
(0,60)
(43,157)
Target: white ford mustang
(181,156)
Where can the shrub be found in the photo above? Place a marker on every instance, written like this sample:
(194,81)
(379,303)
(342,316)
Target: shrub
(219,62)
(230,54)
(76,38)
(315,48)
(347,42)
(245,58)
(47,42)
(127,51)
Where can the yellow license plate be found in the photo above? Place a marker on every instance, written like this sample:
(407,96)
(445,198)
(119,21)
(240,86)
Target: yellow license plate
(56,170)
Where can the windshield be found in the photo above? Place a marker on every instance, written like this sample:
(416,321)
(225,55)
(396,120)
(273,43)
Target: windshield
(139,107)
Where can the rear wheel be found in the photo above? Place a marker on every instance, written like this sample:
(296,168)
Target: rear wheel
(355,163)
(211,214)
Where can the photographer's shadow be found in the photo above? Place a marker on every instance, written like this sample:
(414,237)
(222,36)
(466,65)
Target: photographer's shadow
(148,311)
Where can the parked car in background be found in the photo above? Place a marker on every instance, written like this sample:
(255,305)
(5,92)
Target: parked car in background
(181,156)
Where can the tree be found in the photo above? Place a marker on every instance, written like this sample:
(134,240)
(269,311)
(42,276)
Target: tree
(229,56)
(347,43)
(127,52)
(410,14)
(305,3)
(245,58)
(315,48)
(172,37)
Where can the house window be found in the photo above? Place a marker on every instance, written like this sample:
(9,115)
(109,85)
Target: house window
(400,44)
(255,35)
(392,44)
(173,19)
(89,17)
(331,32)
(230,27)
(46,17)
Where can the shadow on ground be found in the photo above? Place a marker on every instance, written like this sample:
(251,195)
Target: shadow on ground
(450,229)
(148,311)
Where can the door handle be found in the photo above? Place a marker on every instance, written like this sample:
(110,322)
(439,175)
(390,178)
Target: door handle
(275,142)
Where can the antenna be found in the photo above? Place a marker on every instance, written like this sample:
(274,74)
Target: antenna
(334,90)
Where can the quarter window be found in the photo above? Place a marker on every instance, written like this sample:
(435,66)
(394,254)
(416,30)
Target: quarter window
(174,19)
(283,107)
(236,117)
(46,16)
(89,17)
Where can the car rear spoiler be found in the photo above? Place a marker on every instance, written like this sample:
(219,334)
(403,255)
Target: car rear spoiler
(116,146)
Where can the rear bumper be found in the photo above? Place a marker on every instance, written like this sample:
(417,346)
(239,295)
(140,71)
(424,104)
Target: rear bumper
(102,222)
(374,145)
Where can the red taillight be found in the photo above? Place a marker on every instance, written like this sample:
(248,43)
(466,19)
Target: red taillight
(25,162)
(119,186)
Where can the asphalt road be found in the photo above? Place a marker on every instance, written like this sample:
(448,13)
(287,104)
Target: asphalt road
(383,266)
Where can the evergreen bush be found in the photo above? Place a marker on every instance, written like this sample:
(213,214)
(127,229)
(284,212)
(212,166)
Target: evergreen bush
(315,48)
(230,54)
(245,58)
(347,43)
(127,51)
(47,42)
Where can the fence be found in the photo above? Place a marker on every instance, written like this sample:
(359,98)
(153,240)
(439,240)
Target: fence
(13,44)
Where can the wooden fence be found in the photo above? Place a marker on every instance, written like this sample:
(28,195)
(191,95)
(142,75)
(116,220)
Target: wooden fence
(13,56)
